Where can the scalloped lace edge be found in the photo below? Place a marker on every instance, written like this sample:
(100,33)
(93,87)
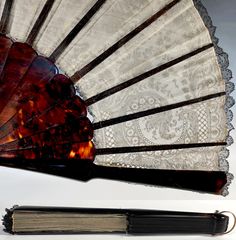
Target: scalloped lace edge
(223,60)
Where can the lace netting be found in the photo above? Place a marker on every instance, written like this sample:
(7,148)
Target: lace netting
(223,60)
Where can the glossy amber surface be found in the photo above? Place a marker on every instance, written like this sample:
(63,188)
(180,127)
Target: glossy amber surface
(40,114)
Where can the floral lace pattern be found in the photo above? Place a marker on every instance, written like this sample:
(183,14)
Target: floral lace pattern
(202,122)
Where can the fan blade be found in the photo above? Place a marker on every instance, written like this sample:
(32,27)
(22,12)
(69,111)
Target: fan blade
(5,45)
(78,151)
(18,61)
(42,106)
(21,88)
(75,130)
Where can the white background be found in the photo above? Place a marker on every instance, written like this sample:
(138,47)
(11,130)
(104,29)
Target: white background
(27,188)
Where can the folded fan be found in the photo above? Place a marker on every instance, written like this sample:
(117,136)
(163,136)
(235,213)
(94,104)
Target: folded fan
(146,71)
(62,220)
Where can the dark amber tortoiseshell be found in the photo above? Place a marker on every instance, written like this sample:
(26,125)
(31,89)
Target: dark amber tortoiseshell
(5,44)
(40,114)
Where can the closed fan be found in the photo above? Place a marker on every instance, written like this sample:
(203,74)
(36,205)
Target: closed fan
(133,90)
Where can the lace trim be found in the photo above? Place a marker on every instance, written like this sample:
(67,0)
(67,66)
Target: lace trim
(223,61)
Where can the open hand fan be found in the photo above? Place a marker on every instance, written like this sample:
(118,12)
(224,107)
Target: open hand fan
(119,89)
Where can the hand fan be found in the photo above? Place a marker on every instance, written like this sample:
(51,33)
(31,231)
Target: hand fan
(133,90)
(64,220)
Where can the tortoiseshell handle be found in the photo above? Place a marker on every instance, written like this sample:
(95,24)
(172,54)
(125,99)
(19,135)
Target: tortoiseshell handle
(84,170)
(164,222)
